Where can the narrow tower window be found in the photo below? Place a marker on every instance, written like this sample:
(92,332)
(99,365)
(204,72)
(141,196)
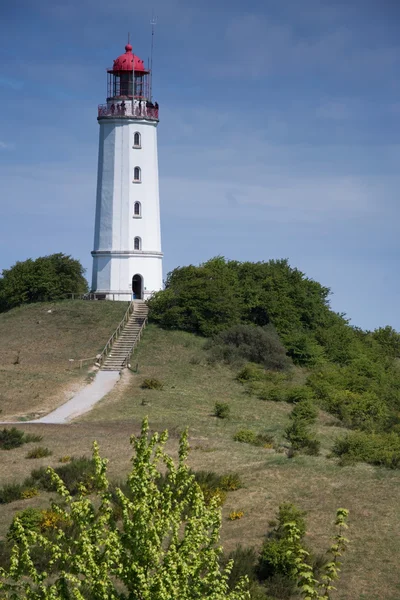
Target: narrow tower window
(137,244)
(137,210)
(136,140)
(136,174)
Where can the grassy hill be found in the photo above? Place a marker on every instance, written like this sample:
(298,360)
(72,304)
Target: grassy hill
(191,386)
(37,343)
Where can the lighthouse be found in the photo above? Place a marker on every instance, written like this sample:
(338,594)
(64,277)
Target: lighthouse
(127,257)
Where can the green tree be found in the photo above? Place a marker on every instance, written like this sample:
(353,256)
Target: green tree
(47,278)
(165,546)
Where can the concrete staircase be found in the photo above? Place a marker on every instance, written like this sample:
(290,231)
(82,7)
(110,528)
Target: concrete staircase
(128,338)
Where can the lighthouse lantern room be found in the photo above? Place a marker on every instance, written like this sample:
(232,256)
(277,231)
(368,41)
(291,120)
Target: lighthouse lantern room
(127,258)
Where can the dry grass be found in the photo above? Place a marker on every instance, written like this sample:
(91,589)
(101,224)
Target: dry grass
(43,343)
(191,389)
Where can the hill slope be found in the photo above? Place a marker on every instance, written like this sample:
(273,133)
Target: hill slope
(44,342)
(316,484)
(191,388)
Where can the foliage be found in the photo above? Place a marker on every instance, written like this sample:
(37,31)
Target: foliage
(165,547)
(11,438)
(230,482)
(283,554)
(39,452)
(234,515)
(299,394)
(11,492)
(352,373)
(30,518)
(381,449)
(250,372)
(298,433)
(222,410)
(152,384)
(47,278)
(260,345)
(247,436)
(215,487)
(78,472)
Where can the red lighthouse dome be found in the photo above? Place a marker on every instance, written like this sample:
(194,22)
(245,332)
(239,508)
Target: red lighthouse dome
(128,62)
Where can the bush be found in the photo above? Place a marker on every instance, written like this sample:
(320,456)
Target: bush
(298,394)
(79,471)
(277,556)
(14,438)
(244,565)
(247,436)
(11,492)
(230,482)
(272,393)
(376,449)
(30,518)
(11,438)
(259,345)
(39,452)
(305,411)
(359,410)
(250,372)
(152,384)
(301,439)
(222,410)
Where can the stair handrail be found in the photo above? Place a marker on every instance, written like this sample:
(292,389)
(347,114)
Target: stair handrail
(135,343)
(116,334)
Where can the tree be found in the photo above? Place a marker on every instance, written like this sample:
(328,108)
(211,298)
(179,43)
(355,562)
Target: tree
(164,546)
(47,278)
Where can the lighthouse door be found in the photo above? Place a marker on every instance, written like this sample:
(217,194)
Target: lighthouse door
(137,287)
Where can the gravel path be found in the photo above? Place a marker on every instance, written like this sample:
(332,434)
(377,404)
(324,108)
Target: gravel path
(83,402)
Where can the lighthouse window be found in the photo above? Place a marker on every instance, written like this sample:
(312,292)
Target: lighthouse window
(136,140)
(137,212)
(136,174)
(137,243)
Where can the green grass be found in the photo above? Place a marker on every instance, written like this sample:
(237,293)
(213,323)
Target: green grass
(45,343)
(191,388)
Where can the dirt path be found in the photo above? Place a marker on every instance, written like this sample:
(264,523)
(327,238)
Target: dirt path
(82,402)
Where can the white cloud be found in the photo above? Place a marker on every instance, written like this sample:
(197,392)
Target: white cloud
(5,146)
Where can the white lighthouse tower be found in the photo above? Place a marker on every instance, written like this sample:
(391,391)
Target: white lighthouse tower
(127,257)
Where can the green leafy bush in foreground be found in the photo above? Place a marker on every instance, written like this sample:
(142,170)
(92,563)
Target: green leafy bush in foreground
(381,449)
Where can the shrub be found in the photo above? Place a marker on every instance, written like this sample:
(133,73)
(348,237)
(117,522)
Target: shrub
(234,515)
(64,459)
(300,438)
(39,452)
(272,393)
(277,554)
(30,519)
(244,565)
(152,384)
(11,492)
(230,482)
(11,438)
(80,471)
(305,411)
(250,372)
(29,492)
(222,410)
(247,436)
(376,449)
(14,438)
(259,345)
(298,394)
(358,410)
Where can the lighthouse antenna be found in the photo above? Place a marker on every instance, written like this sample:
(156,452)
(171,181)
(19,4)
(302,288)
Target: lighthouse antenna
(153,23)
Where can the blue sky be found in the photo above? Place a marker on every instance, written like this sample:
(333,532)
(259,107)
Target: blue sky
(278,137)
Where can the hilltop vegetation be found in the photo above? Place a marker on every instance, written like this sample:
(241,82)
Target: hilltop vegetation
(351,373)
(47,278)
